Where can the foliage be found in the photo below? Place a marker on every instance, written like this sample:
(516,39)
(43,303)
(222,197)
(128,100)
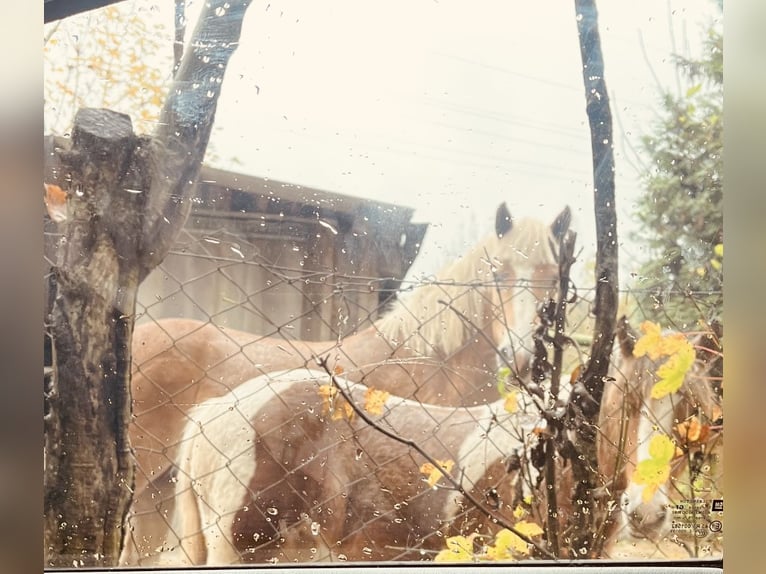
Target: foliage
(511,396)
(120,57)
(654,471)
(681,209)
(434,473)
(676,347)
(333,404)
(375,400)
(506,545)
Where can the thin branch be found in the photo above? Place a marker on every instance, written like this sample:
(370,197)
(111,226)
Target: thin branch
(627,146)
(322,362)
(674,50)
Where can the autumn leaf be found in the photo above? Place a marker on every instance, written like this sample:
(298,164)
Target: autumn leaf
(433,473)
(519,512)
(574,375)
(718,250)
(374,401)
(655,471)
(651,341)
(673,371)
(459,549)
(661,448)
(345,411)
(692,430)
(508,545)
(511,404)
(675,343)
(676,347)
(337,408)
(502,377)
(327,392)
(55,202)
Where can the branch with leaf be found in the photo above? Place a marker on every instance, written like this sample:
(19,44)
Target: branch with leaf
(437,468)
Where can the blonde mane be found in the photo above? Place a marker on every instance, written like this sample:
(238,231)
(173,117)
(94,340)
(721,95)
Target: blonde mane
(422,323)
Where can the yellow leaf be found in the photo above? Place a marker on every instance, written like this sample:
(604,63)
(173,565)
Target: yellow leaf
(655,471)
(332,405)
(673,371)
(501,378)
(511,404)
(718,249)
(459,549)
(508,545)
(519,512)
(529,529)
(345,411)
(650,342)
(327,392)
(674,343)
(374,401)
(661,448)
(433,473)
(715,264)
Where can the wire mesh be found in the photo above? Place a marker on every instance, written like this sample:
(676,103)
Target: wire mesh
(236,296)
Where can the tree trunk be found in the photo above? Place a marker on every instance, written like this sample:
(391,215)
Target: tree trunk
(586,395)
(127,199)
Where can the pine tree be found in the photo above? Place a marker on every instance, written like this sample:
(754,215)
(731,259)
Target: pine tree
(681,210)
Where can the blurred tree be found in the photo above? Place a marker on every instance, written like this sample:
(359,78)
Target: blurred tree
(681,210)
(127,198)
(117,58)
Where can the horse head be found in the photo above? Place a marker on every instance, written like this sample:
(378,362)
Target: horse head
(524,256)
(631,417)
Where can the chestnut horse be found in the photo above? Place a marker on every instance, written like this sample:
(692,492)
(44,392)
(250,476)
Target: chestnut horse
(268,474)
(437,345)
(630,417)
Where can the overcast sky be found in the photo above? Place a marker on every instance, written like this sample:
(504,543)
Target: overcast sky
(447,107)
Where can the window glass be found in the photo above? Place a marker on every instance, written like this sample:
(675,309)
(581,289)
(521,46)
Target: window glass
(352,339)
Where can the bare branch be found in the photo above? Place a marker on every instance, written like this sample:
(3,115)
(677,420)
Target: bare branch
(497,519)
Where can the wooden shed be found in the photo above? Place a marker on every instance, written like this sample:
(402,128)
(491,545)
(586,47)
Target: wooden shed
(268,256)
(271,257)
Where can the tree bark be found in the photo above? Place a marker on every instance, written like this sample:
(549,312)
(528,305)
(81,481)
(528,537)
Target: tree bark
(587,392)
(127,199)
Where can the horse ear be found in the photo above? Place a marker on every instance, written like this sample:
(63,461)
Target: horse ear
(561,223)
(626,336)
(503,220)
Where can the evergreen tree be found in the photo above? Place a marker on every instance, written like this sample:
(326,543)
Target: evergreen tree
(681,210)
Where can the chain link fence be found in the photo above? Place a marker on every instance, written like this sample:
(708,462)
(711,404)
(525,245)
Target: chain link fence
(230,288)
(275,513)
